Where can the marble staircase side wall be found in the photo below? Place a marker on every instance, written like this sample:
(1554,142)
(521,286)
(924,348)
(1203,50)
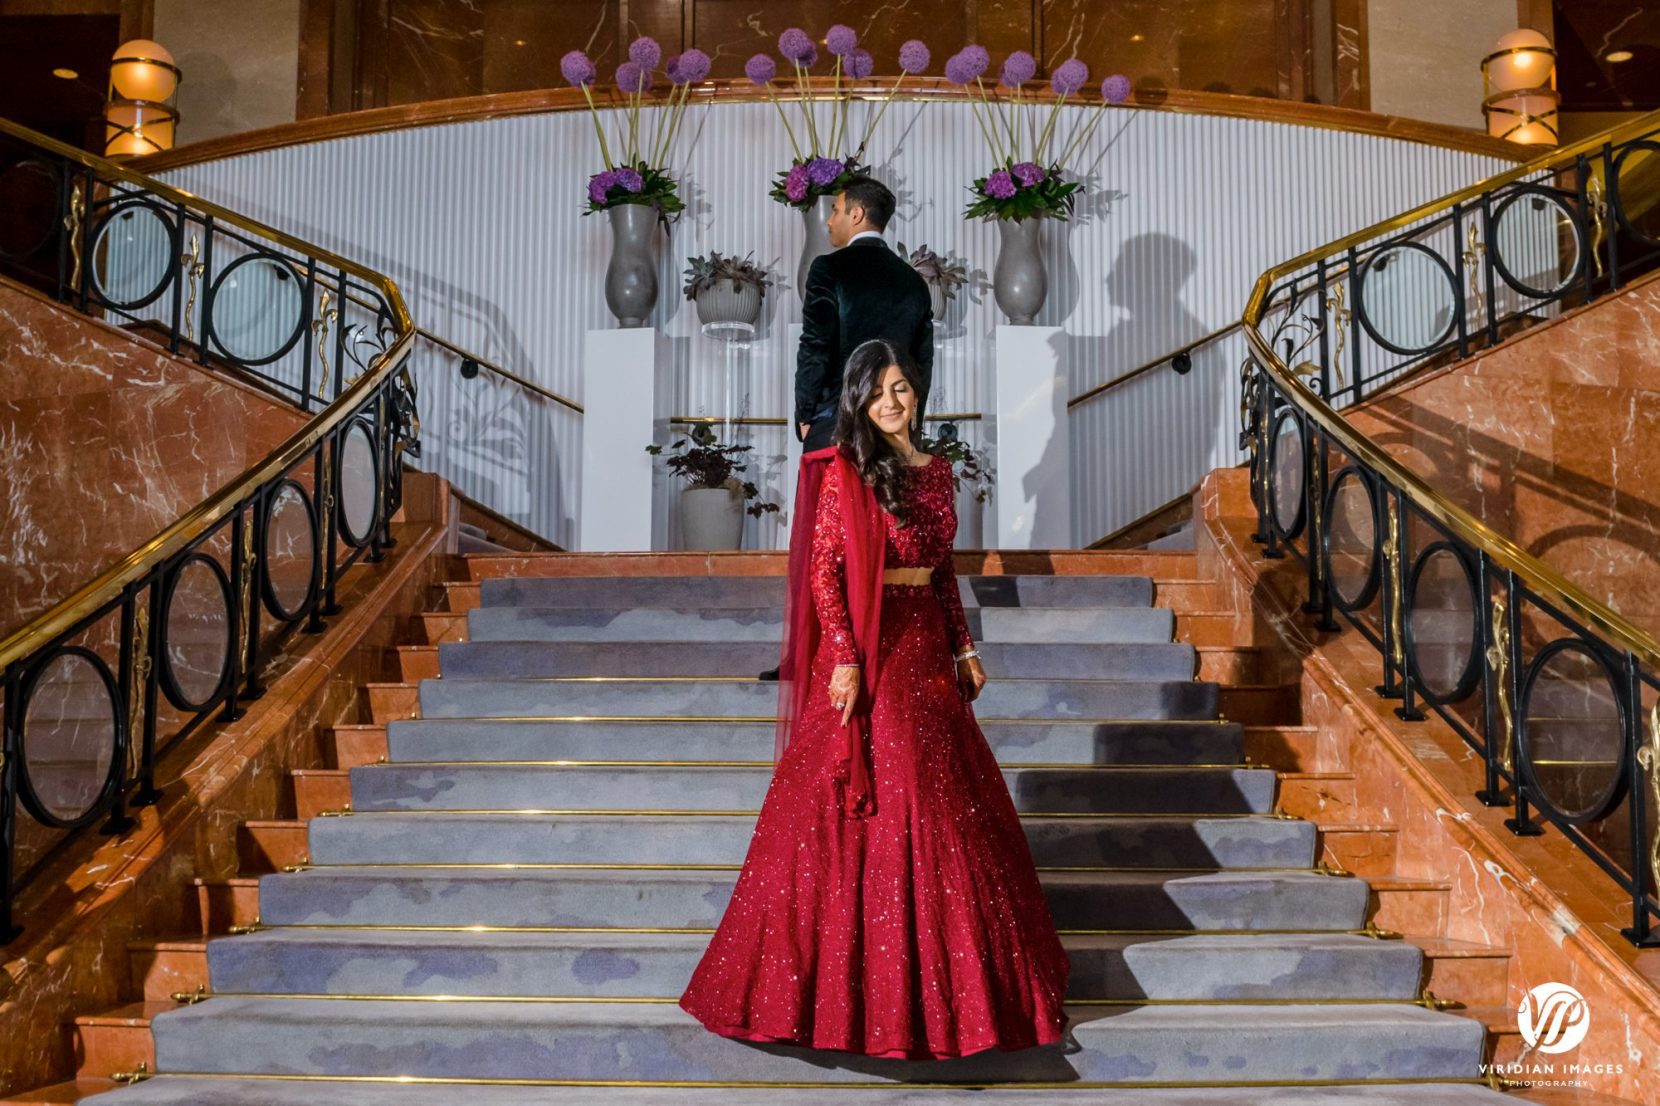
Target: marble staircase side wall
(81,914)
(1536,896)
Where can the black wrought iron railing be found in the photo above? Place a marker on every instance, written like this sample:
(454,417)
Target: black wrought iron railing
(185,628)
(1556,692)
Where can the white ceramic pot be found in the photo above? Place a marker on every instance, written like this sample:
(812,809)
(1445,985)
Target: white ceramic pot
(728,302)
(712,518)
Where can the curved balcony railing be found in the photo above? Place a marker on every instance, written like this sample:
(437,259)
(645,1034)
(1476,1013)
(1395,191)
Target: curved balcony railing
(186,626)
(1555,691)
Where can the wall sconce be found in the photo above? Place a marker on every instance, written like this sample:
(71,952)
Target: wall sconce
(1519,98)
(140,116)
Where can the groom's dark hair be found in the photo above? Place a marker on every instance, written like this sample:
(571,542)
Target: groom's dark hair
(872,195)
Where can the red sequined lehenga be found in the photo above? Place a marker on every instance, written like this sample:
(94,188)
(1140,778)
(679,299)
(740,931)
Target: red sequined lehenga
(919,930)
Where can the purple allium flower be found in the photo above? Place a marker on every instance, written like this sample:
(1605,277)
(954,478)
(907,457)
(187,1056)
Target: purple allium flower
(841,40)
(644,52)
(795,45)
(999,185)
(577,68)
(672,70)
(858,63)
(1029,173)
(600,184)
(810,58)
(1018,68)
(822,170)
(914,56)
(631,77)
(761,68)
(695,65)
(977,58)
(1115,89)
(795,183)
(957,70)
(1069,77)
(630,179)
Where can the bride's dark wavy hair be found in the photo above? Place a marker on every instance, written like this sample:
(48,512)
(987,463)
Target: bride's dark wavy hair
(875,458)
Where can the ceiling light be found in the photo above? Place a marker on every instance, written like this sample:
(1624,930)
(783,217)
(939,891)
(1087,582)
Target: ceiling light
(1138,38)
(65,74)
(1617,56)
(518,42)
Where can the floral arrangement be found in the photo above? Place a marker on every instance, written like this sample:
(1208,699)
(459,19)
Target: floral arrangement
(637,174)
(703,272)
(945,274)
(1028,178)
(819,167)
(968,465)
(705,463)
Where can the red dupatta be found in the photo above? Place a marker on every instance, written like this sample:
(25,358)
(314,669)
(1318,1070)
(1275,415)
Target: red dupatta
(864,538)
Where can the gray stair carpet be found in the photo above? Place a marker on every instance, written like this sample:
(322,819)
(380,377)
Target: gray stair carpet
(515,899)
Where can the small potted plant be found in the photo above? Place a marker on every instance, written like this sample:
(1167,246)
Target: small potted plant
(972,476)
(943,276)
(726,289)
(713,503)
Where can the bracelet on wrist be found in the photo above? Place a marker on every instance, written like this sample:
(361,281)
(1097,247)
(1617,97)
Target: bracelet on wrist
(967,653)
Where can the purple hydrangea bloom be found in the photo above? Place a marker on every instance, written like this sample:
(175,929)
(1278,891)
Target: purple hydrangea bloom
(859,64)
(1018,68)
(822,170)
(1029,173)
(795,184)
(761,68)
(631,77)
(841,40)
(1069,77)
(914,56)
(695,65)
(977,58)
(957,70)
(1115,89)
(600,183)
(644,52)
(999,185)
(577,68)
(630,179)
(795,45)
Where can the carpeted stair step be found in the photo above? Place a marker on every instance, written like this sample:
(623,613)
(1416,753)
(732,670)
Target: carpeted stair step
(727,786)
(658,1042)
(1049,699)
(754,591)
(230,1091)
(1075,625)
(1035,741)
(1219,967)
(1113,661)
(1080,841)
(611,898)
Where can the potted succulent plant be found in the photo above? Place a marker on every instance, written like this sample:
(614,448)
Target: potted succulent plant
(715,499)
(726,289)
(943,276)
(973,477)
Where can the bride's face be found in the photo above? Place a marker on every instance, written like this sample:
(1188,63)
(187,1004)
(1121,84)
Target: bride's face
(890,407)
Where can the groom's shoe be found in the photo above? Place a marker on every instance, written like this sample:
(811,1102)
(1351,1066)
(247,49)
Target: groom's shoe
(769,674)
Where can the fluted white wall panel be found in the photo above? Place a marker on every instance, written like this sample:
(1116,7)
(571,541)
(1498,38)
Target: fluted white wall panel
(479,223)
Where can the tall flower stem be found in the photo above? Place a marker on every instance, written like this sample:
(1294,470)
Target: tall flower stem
(838,113)
(1084,133)
(806,110)
(975,108)
(599,131)
(789,130)
(1048,130)
(996,121)
(871,130)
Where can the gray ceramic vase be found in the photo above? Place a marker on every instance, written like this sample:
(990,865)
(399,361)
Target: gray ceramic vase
(1019,282)
(729,302)
(712,518)
(818,240)
(631,277)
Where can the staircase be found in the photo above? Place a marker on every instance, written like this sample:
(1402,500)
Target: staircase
(514,870)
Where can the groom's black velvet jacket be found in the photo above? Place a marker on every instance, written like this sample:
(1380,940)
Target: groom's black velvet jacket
(862,291)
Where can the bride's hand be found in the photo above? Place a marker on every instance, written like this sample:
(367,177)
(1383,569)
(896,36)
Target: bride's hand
(844,689)
(970,677)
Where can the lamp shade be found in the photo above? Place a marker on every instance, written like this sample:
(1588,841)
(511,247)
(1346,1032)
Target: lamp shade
(136,129)
(143,70)
(1521,100)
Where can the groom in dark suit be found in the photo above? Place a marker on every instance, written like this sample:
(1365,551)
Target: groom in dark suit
(858,291)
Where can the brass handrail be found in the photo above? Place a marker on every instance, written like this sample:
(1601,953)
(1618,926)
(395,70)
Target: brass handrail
(485,363)
(1141,370)
(1543,580)
(108,585)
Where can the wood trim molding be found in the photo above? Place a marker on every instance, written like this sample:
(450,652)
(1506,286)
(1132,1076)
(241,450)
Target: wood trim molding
(538,101)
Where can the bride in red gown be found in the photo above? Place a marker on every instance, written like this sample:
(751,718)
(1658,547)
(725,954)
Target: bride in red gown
(889,904)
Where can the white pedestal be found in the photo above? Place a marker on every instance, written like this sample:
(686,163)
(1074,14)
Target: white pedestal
(792,448)
(1033,494)
(619,370)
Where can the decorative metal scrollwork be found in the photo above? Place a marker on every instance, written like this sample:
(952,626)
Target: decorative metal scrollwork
(193,270)
(1341,317)
(75,224)
(1598,205)
(247,596)
(326,314)
(1498,659)
(1472,263)
(1648,755)
(141,665)
(1392,557)
(406,417)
